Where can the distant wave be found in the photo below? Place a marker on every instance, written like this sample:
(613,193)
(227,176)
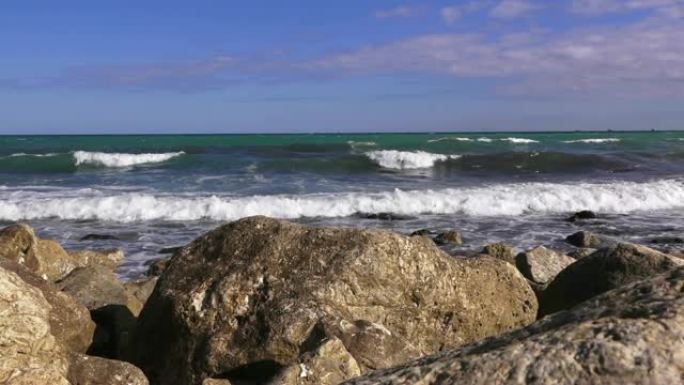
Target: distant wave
(354,143)
(593,140)
(22,154)
(495,200)
(448,138)
(105,159)
(485,140)
(519,140)
(404,160)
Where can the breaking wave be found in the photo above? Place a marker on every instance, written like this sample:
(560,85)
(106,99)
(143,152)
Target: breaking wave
(104,159)
(406,160)
(593,140)
(495,200)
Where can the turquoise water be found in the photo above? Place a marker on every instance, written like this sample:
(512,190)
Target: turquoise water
(162,190)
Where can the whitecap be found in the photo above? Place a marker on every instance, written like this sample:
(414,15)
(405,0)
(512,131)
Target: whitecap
(593,140)
(105,159)
(454,138)
(404,160)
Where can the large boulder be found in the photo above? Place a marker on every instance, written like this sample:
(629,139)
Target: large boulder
(605,269)
(631,335)
(500,251)
(88,370)
(540,265)
(109,258)
(258,293)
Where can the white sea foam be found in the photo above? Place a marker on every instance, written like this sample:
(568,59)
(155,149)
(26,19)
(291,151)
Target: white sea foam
(495,200)
(23,154)
(486,140)
(519,140)
(404,160)
(593,140)
(121,159)
(448,138)
(353,143)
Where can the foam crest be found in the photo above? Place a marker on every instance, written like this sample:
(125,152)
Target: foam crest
(104,159)
(496,200)
(450,138)
(593,140)
(406,160)
(519,140)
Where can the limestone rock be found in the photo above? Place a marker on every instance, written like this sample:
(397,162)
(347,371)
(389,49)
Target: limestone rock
(581,252)
(541,265)
(588,239)
(156,267)
(630,335)
(253,292)
(88,370)
(70,321)
(110,258)
(140,291)
(94,287)
(606,269)
(500,251)
(329,364)
(450,237)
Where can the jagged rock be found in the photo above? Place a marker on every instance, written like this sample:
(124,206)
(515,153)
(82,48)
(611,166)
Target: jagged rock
(141,291)
(250,294)
(155,267)
(500,251)
(99,237)
(541,265)
(605,269)
(581,252)
(588,240)
(88,370)
(29,353)
(449,237)
(329,364)
(94,287)
(110,258)
(70,321)
(584,214)
(630,335)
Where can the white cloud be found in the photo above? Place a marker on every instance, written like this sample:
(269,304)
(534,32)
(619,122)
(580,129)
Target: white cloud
(599,7)
(511,9)
(400,11)
(451,14)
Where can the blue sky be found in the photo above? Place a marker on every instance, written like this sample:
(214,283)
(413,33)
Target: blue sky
(322,66)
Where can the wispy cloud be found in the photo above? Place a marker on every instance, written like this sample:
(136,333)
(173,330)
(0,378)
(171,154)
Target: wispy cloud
(397,12)
(599,7)
(452,13)
(511,9)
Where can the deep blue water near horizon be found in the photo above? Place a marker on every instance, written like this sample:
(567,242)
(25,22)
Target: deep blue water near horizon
(156,191)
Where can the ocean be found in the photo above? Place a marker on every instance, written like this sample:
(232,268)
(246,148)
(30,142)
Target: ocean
(156,191)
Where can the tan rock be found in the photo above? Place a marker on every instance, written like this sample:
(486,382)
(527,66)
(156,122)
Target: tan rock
(110,258)
(540,265)
(253,291)
(88,370)
(500,251)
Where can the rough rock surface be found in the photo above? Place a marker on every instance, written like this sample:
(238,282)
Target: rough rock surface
(29,353)
(631,335)
(500,251)
(70,321)
(139,291)
(261,292)
(541,265)
(450,237)
(329,364)
(88,370)
(584,214)
(110,258)
(606,269)
(581,252)
(94,287)
(156,267)
(588,239)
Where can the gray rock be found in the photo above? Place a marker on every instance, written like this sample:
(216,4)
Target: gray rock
(450,237)
(253,295)
(541,265)
(630,335)
(588,240)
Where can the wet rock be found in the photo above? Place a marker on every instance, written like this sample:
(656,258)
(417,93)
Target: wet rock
(170,250)
(541,265)
(500,251)
(70,321)
(450,237)
(630,335)
(99,237)
(667,240)
(385,216)
(587,239)
(604,270)
(248,296)
(581,252)
(584,214)
(422,232)
(155,267)
(329,364)
(88,370)
(110,258)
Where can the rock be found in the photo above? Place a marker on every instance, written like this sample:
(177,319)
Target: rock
(141,291)
(667,240)
(584,214)
(29,353)
(631,335)
(581,252)
(541,265)
(257,292)
(422,232)
(99,237)
(606,269)
(110,258)
(114,332)
(156,267)
(384,216)
(215,381)
(587,239)
(500,251)
(94,287)
(170,250)
(449,237)
(87,370)
(70,321)
(329,364)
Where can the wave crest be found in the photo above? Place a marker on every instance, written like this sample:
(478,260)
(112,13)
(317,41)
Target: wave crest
(105,159)
(406,160)
(496,200)
(593,140)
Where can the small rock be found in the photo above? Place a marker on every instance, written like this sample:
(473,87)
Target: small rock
(667,240)
(140,290)
(88,370)
(500,251)
(581,252)
(110,258)
(449,237)
(541,265)
(584,214)
(587,240)
(99,237)
(422,232)
(170,250)
(385,216)
(155,267)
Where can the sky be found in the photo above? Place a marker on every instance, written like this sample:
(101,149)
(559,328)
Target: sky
(132,66)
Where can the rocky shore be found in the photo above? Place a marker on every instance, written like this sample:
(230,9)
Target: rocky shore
(265,301)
